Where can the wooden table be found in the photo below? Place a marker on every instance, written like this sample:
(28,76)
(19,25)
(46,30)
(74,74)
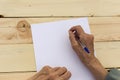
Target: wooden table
(17,61)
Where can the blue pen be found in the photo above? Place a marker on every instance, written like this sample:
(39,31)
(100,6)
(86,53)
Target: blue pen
(82,44)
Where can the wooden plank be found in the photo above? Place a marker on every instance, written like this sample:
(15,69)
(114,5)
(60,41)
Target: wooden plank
(17,57)
(103,28)
(18,76)
(21,8)
(21,57)
(108,53)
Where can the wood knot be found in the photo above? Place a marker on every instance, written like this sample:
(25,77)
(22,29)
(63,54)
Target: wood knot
(23,26)
(24,30)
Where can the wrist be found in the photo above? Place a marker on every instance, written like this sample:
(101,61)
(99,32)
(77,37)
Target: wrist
(97,69)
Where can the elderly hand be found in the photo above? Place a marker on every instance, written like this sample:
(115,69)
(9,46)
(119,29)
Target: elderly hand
(88,59)
(86,39)
(48,73)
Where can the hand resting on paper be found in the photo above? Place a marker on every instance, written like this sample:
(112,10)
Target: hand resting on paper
(88,59)
(49,73)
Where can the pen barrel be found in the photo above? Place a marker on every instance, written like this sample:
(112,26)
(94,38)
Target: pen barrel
(86,49)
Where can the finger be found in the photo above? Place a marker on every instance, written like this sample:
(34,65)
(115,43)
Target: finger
(43,74)
(43,77)
(77,28)
(66,75)
(75,45)
(56,68)
(44,71)
(72,38)
(60,71)
(47,68)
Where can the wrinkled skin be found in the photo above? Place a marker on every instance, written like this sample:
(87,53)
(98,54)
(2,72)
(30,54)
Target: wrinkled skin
(48,73)
(85,38)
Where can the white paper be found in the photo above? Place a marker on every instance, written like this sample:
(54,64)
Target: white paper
(52,47)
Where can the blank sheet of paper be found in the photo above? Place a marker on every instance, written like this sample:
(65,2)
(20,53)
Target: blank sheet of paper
(52,47)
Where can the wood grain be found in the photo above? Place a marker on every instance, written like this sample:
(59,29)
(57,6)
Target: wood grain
(21,57)
(38,8)
(107,54)
(16,76)
(103,28)
(17,57)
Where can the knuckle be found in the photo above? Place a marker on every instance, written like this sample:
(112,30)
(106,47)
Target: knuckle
(64,69)
(46,67)
(69,74)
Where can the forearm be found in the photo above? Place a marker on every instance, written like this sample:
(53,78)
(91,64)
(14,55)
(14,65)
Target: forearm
(97,69)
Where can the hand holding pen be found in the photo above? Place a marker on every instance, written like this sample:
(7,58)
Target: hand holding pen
(82,43)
